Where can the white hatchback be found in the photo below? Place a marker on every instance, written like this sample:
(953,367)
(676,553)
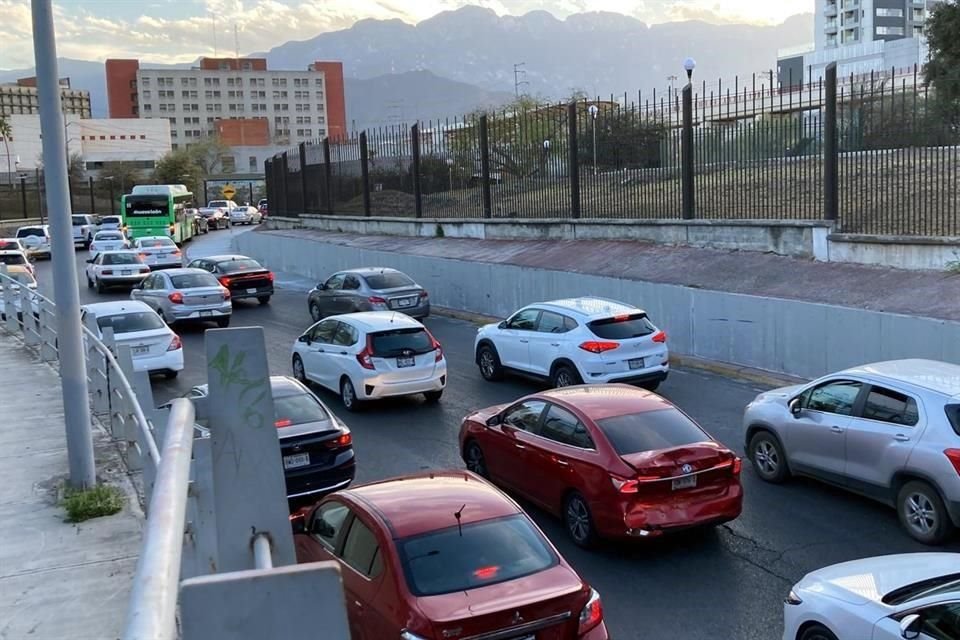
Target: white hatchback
(155,348)
(578,340)
(159,252)
(911,595)
(370,355)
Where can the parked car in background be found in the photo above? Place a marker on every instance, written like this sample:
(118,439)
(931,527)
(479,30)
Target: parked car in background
(108,241)
(889,431)
(371,355)
(574,341)
(370,289)
(244,277)
(36,238)
(613,461)
(155,348)
(179,295)
(215,218)
(239,215)
(446,555)
(263,208)
(115,269)
(316,447)
(110,223)
(255,216)
(158,252)
(17,259)
(22,277)
(894,597)
(84,226)
(12,244)
(226,205)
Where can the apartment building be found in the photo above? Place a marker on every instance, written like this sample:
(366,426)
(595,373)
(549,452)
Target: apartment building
(269,107)
(22,98)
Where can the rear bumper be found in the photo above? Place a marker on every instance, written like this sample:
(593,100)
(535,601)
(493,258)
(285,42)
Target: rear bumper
(319,482)
(654,374)
(156,266)
(169,361)
(202,313)
(375,387)
(122,280)
(669,514)
(243,294)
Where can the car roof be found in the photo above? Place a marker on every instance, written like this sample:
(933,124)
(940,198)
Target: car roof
(379,320)
(227,257)
(45,227)
(589,307)
(599,401)
(154,238)
(280,387)
(109,232)
(115,307)
(368,271)
(118,251)
(933,375)
(421,503)
(183,271)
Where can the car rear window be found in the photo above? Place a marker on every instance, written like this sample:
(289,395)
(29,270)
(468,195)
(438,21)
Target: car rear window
(230,266)
(635,325)
(110,220)
(157,242)
(121,258)
(78,220)
(22,277)
(107,235)
(388,344)
(388,281)
(131,322)
(478,555)
(193,280)
(953,415)
(30,232)
(12,258)
(650,431)
(298,409)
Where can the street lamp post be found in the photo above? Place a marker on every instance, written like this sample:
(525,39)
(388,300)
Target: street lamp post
(686,143)
(113,210)
(450,170)
(546,151)
(593,115)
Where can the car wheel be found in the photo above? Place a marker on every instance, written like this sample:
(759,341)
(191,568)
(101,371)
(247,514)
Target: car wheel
(768,458)
(263,299)
(89,283)
(473,457)
(101,288)
(564,376)
(433,397)
(164,318)
(298,371)
(922,513)
(170,374)
(223,323)
(578,521)
(817,632)
(348,396)
(315,312)
(489,363)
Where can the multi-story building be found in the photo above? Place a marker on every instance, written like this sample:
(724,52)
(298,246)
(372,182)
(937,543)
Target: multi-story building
(237,99)
(22,98)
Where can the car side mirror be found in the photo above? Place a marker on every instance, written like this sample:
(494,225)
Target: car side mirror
(502,325)
(90,260)
(910,626)
(304,339)
(795,407)
(493,421)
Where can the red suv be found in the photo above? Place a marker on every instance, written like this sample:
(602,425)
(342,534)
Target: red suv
(442,556)
(613,461)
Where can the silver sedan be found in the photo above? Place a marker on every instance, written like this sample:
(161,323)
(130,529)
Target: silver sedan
(185,294)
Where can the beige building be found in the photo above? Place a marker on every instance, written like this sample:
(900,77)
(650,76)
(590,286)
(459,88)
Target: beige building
(22,98)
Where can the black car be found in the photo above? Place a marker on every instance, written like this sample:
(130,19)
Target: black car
(243,276)
(316,448)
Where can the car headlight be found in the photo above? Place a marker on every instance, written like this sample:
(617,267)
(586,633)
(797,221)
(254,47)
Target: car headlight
(793,598)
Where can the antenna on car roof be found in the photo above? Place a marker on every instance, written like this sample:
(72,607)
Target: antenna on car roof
(457,515)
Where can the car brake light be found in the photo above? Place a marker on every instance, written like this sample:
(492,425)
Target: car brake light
(226,294)
(737,466)
(436,346)
(340,441)
(175,343)
(486,573)
(596,346)
(592,613)
(177,253)
(621,318)
(176,297)
(270,276)
(364,357)
(624,486)
(376,300)
(660,336)
(424,294)
(285,422)
(225,281)
(954,456)
(107,272)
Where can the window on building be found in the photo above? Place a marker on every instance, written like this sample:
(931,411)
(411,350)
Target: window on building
(209,107)
(283,82)
(230,82)
(173,133)
(318,82)
(296,82)
(224,66)
(147,107)
(247,66)
(145,82)
(217,107)
(163,107)
(173,121)
(308,132)
(174,146)
(252,163)
(208,82)
(885,12)
(210,120)
(889,31)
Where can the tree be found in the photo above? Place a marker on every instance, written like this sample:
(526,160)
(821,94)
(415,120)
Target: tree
(208,155)
(76,169)
(179,167)
(119,177)
(943,69)
(6,132)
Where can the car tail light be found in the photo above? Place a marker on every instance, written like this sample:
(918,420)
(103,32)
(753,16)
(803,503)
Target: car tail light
(623,485)
(176,297)
(660,336)
(597,346)
(285,422)
(225,293)
(436,347)
(737,466)
(225,281)
(954,456)
(365,357)
(424,294)
(376,300)
(592,613)
(107,272)
(341,441)
(175,343)
(270,276)
(177,253)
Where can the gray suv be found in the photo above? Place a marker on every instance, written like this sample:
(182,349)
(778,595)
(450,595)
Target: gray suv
(370,289)
(889,431)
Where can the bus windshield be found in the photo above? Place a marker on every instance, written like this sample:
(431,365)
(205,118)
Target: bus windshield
(137,206)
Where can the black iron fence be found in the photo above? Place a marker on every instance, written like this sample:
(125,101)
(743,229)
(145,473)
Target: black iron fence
(25,197)
(876,152)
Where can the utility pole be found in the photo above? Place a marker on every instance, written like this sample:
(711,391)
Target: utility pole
(73,370)
(517,82)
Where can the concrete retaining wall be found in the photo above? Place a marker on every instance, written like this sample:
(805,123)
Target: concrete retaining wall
(903,252)
(796,338)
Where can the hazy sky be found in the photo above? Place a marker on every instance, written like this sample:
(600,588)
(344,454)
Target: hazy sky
(182,30)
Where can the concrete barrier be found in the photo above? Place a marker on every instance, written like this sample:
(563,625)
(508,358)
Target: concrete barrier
(785,336)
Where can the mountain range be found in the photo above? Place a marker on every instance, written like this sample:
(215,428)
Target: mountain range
(458,60)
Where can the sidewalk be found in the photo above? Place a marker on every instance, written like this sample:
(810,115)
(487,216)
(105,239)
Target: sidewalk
(57,580)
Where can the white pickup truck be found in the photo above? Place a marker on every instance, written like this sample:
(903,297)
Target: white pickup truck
(84,228)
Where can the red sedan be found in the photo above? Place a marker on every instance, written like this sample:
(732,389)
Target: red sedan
(442,556)
(612,461)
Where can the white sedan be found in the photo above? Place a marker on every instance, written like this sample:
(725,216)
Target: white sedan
(154,347)
(158,252)
(913,595)
(240,215)
(114,269)
(369,355)
(108,241)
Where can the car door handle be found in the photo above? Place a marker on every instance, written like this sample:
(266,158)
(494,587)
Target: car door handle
(562,463)
(554,344)
(900,437)
(524,341)
(518,445)
(358,604)
(343,353)
(836,429)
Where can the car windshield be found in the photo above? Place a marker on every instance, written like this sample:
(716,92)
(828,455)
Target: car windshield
(298,409)
(9,245)
(156,243)
(110,220)
(388,281)
(30,231)
(131,322)
(390,344)
(635,325)
(480,554)
(923,589)
(108,236)
(121,258)
(651,431)
(12,258)
(193,281)
(230,266)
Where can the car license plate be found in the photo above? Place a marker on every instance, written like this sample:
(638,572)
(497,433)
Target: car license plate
(405,302)
(296,461)
(251,290)
(140,351)
(406,361)
(636,363)
(205,314)
(685,483)
(126,272)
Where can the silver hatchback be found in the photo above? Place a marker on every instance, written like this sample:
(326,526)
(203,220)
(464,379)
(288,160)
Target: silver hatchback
(889,431)
(370,289)
(185,294)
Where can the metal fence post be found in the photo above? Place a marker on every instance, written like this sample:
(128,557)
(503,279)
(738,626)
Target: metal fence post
(831,196)
(200,548)
(686,155)
(39,196)
(23,195)
(93,200)
(48,350)
(415,168)
(485,168)
(365,172)
(328,175)
(28,323)
(284,190)
(303,178)
(573,160)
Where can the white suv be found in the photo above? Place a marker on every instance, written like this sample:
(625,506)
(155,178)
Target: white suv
(578,340)
(369,355)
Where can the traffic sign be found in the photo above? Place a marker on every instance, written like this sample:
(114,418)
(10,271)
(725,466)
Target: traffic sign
(228,191)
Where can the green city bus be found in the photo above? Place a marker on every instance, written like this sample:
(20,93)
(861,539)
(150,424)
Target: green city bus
(159,210)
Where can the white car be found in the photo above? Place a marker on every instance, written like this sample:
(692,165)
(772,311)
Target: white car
(158,252)
(912,595)
(370,355)
(21,276)
(17,259)
(108,241)
(12,244)
(111,223)
(240,215)
(115,269)
(155,348)
(576,341)
(226,205)
(36,238)
(84,226)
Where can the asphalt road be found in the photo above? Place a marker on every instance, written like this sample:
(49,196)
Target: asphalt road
(725,583)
